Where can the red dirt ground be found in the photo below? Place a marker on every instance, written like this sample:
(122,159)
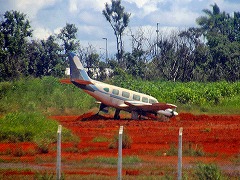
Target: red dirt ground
(218,136)
(215,134)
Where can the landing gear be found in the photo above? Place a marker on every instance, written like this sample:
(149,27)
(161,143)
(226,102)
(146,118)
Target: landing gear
(116,115)
(134,115)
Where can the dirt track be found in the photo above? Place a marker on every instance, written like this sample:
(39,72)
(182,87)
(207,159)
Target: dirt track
(216,139)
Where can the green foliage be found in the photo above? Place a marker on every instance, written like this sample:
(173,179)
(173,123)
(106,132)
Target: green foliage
(222,33)
(14,31)
(126,141)
(206,95)
(173,151)
(113,160)
(208,171)
(34,127)
(189,150)
(68,36)
(46,95)
(47,176)
(100,139)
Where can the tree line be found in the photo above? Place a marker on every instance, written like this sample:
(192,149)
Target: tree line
(208,52)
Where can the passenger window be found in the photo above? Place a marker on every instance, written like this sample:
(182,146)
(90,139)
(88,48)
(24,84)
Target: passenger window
(152,101)
(136,97)
(115,91)
(144,99)
(106,89)
(125,94)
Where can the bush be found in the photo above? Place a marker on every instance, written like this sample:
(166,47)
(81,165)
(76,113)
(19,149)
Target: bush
(46,95)
(30,127)
(126,141)
(208,172)
(127,160)
(49,96)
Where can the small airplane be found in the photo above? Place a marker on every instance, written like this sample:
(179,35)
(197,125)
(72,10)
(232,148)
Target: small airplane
(138,104)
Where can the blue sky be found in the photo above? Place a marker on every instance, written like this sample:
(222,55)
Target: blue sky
(49,16)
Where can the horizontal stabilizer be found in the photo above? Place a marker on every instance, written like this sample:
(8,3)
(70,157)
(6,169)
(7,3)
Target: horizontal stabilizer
(65,81)
(82,82)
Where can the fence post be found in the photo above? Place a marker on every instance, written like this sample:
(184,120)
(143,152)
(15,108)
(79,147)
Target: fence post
(120,153)
(59,132)
(180,154)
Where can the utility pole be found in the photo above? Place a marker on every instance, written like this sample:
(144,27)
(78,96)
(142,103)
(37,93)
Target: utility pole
(106,50)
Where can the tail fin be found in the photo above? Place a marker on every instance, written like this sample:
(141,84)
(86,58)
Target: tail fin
(77,71)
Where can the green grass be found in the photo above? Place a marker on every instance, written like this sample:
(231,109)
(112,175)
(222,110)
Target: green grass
(49,96)
(127,160)
(100,139)
(31,127)
(188,149)
(46,95)
(215,97)
(126,141)
(208,171)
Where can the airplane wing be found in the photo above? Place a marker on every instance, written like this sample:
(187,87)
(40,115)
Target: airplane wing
(149,107)
(68,81)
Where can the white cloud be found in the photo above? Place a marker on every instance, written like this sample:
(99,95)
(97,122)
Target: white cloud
(145,6)
(73,7)
(31,7)
(88,17)
(142,3)
(94,5)
(41,33)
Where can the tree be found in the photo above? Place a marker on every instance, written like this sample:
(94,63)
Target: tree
(68,35)
(45,58)
(35,51)
(15,29)
(222,33)
(90,59)
(51,62)
(118,20)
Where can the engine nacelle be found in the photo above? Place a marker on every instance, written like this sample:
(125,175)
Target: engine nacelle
(168,112)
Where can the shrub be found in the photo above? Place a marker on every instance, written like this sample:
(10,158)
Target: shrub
(31,127)
(100,139)
(208,171)
(173,150)
(47,176)
(127,160)
(126,141)
(189,150)
(46,95)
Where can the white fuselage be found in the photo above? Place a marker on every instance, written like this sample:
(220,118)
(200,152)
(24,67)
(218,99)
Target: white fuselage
(115,96)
